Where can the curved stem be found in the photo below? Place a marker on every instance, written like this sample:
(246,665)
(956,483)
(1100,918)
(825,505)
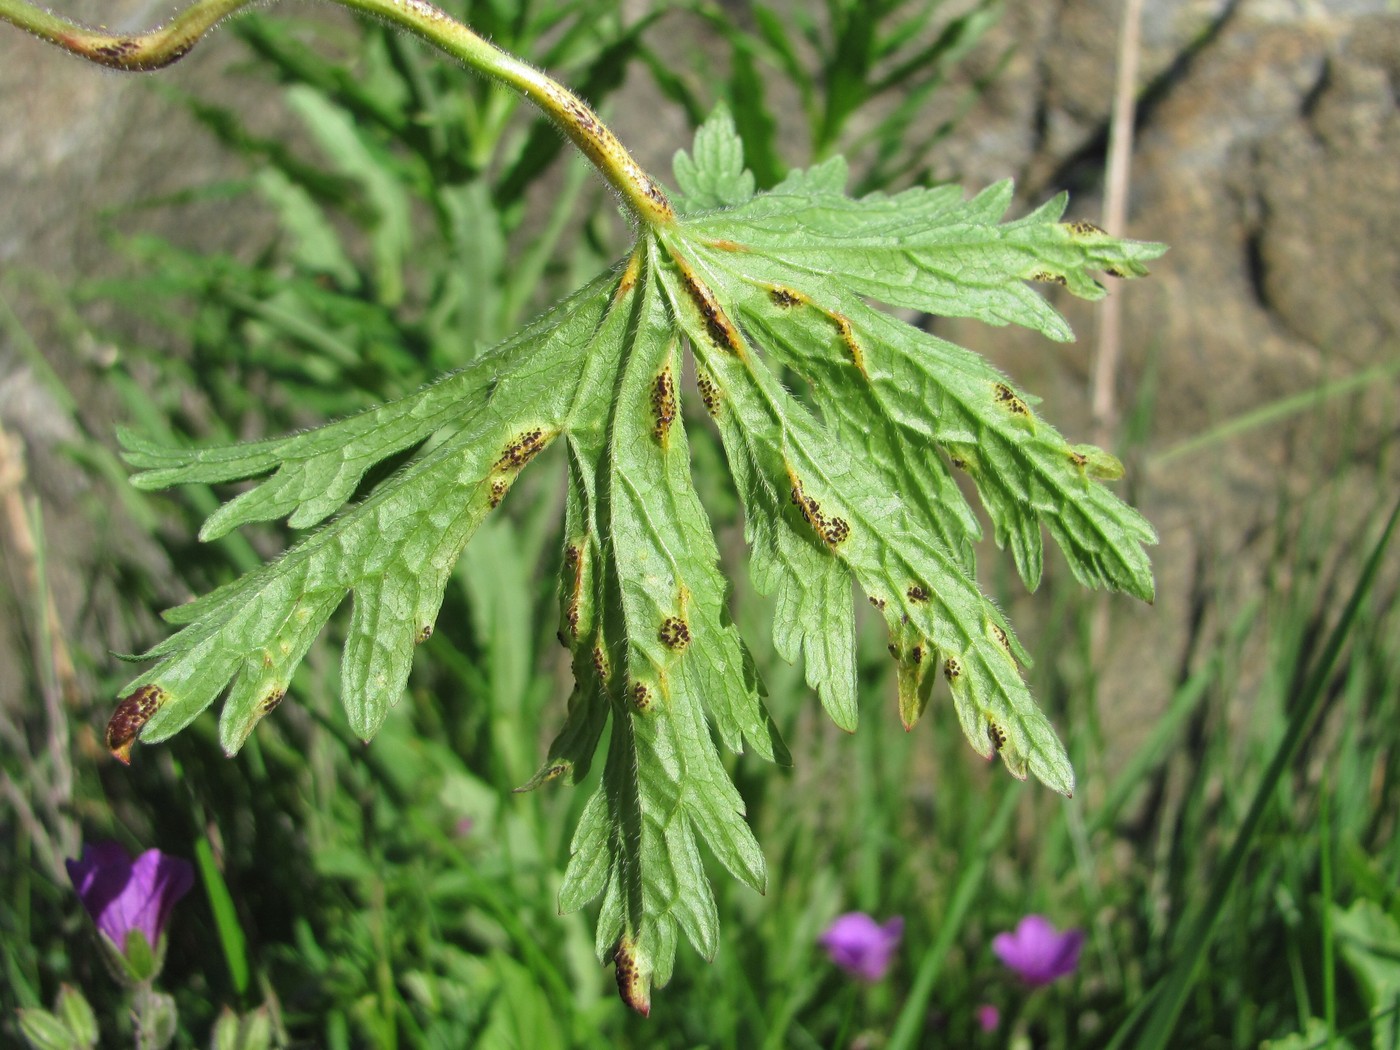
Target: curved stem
(160,47)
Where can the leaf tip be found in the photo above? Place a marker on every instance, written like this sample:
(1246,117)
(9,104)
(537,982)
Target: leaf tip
(132,713)
(633,978)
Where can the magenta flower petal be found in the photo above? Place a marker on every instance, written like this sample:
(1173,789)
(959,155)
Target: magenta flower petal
(1037,952)
(988,1017)
(123,895)
(861,946)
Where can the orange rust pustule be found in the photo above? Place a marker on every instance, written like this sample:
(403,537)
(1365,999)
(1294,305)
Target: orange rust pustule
(130,717)
(848,336)
(523,449)
(631,985)
(663,405)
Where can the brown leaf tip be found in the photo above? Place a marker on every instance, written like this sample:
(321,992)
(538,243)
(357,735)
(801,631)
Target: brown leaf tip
(130,717)
(633,988)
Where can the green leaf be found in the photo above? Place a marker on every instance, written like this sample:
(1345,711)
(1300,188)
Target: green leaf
(843,428)
(715,177)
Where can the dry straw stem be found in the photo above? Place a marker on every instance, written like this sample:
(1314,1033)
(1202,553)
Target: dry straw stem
(1115,217)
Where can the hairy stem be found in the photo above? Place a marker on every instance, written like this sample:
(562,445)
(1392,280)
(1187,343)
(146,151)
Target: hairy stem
(160,47)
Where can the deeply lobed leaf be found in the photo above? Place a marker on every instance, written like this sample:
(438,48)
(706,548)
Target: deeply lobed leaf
(849,483)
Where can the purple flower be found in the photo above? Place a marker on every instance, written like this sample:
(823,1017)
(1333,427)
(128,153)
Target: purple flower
(860,945)
(1037,952)
(988,1017)
(123,895)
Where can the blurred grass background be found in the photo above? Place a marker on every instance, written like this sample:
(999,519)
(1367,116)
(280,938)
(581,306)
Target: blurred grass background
(1231,852)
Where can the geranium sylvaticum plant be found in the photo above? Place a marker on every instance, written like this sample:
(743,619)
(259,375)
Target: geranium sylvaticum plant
(854,480)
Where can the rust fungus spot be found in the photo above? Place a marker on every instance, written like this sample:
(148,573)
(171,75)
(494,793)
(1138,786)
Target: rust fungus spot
(916,654)
(917,594)
(130,717)
(1083,227)
(523,449)
(1006,397)
(1000,637)
(848,336)
(1113,272)
(271,700)
(876,601)
(663,405)
(641,697)
(727,246)
(498,492)
(996,735)
(893,650)
(424,633)
(786,297)
(571,616)
(631,985)
(674,633)
(952,669)
(958,462)
(1049,278)
(559,635)
(572,554)
(717,323)
(1078,459)
(832,529)
(709,394)
(117,49)
(628,280)
(600,663)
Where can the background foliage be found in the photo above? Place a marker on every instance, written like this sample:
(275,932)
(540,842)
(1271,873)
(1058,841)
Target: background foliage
(400,895)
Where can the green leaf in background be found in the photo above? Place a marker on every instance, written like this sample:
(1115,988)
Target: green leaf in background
(1369,939)
(846,482)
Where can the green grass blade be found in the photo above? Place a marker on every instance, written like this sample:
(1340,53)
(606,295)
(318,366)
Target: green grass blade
(231,939)
(1180,979)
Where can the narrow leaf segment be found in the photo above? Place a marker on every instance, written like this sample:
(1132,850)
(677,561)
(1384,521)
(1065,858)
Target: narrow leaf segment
(851,485)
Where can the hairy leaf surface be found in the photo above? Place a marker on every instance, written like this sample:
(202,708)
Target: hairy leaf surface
(847,483)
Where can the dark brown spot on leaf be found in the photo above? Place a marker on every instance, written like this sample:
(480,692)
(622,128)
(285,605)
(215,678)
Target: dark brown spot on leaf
(709,395)
(674,633)
(663,405)
(523,449)
(952,669)
(917,594)
(996,735)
